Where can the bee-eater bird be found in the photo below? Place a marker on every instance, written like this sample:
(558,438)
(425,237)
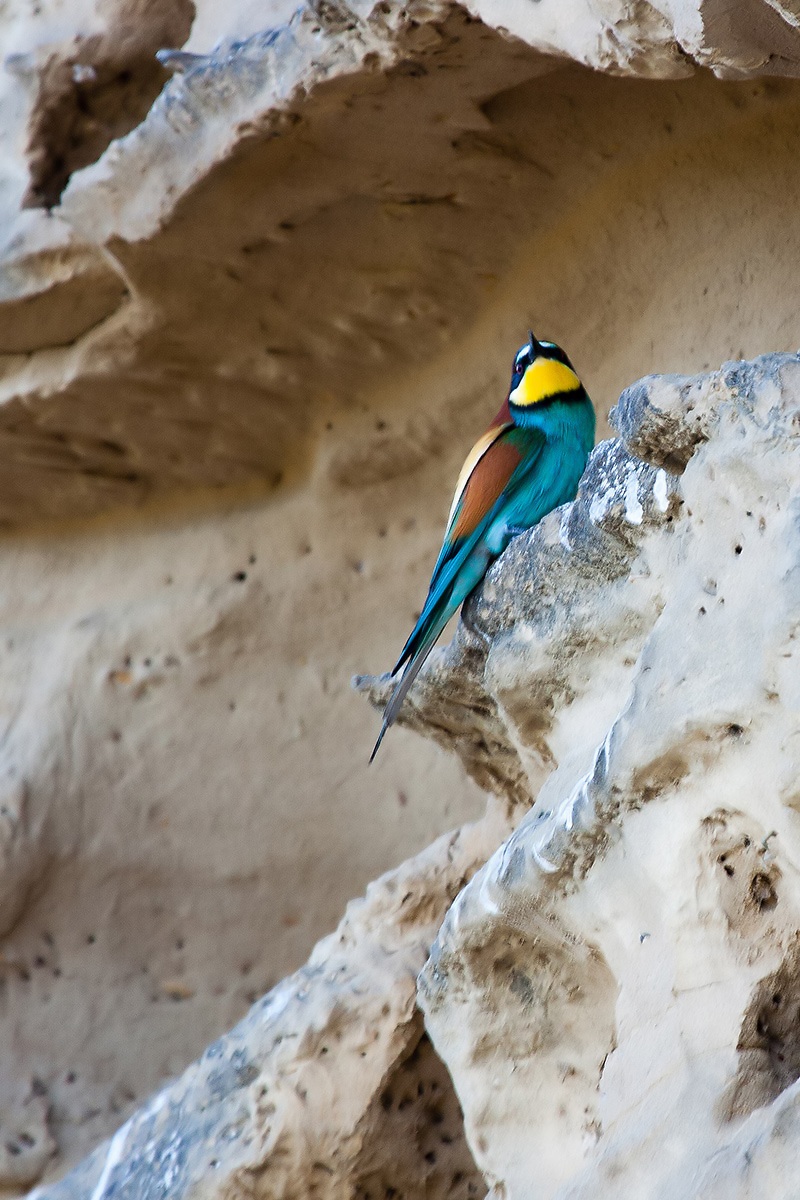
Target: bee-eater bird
(527,463)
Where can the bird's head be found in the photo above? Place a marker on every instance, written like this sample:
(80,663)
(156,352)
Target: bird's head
(542,372)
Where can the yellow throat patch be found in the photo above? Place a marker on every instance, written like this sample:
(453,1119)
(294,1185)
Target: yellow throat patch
(544,378)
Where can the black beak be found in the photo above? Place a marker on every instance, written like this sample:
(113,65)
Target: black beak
(536,349)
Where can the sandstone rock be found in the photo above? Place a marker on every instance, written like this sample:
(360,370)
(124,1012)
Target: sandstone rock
(249,331)
(329,1084)
(615,992)
(26,1142)
(148,284)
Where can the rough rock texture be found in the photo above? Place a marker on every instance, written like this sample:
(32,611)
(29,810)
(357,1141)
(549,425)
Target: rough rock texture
(182,284)
(615,991)
(329,1086)
(247,333)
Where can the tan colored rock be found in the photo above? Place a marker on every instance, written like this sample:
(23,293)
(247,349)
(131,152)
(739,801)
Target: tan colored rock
(625,966)
(26,1143)
(263,325)
(159,701)
(614,992)
(207,323)
(329,1085)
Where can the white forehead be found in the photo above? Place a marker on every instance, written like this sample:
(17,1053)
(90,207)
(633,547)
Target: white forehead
(524,351)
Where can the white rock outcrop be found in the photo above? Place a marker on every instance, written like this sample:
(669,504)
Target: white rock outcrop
(616,992)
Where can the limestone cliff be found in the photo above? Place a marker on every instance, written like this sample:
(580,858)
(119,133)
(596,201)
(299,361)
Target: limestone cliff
(262,268)
(625,965)
(614,993)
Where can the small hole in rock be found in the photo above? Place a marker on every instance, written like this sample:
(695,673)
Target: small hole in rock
(763,892)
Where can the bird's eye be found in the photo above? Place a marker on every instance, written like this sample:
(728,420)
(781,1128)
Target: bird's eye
(519,367)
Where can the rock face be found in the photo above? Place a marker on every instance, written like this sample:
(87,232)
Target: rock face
(329,1086)
(258,295)
(625,966)
(614,993)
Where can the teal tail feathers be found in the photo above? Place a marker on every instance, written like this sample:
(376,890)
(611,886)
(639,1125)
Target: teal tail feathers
(409,675)
(416,650)
(452,582)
